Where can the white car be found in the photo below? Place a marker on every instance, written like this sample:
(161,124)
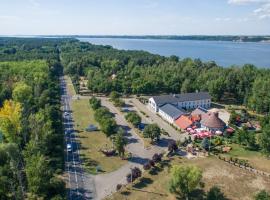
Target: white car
(66,113)
(69,147)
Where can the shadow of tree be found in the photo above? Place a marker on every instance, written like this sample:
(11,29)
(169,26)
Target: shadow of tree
(143,183)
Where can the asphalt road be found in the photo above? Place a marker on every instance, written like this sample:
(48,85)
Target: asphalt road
(76,176)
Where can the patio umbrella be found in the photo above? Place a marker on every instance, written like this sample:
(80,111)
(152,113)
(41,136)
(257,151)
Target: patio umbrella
(218,132)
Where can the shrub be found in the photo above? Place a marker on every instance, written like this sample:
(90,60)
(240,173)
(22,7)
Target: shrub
(157,157)
(172,146)
(152,163)
(135,173)
(118,187)
(147,166)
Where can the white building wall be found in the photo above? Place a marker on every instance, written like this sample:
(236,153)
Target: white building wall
(152,105)
(165,116)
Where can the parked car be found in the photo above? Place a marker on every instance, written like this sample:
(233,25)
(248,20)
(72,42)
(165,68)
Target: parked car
(91,127)
(69,147)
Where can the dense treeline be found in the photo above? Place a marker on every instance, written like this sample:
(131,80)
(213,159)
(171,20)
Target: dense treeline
(138,72)
(30,48)
(31,142)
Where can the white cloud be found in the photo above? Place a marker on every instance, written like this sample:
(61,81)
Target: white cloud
(34,3)
(262,12)
(247,1)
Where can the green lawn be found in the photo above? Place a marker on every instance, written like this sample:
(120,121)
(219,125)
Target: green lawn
(255,158)
(91,142)
(70,87)
(234,182)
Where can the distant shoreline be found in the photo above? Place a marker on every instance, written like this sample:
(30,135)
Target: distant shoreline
(265,39)
(228,38)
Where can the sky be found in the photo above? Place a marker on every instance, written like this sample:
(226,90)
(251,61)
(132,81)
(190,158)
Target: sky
(134,17)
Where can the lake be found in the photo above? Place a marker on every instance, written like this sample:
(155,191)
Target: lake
(223,53)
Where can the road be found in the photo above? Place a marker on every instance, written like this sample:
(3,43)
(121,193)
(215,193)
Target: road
(76,178)
(105,184)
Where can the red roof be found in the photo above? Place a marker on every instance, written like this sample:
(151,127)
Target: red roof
(196,118)
(183,122)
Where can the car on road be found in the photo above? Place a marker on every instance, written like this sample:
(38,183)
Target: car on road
(69,147)
(66,113)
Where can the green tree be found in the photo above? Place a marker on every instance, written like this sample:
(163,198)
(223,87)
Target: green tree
(95,103)
(152,131)
(215,194)
(22,93)
(262,195)
(37,174)
(184,180)
(216,88)
(133,118)
(120,142)
(264,140)
(205,144)
(114,95)
(108,126)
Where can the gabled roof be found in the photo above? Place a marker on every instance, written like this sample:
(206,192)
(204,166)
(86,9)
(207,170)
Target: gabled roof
(183,122)
(199,111)
(172,111)
(174,98)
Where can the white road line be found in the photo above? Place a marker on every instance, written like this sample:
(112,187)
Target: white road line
(67,107)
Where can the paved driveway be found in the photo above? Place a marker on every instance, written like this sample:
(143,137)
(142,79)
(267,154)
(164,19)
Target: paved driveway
(154,118)
(106,183)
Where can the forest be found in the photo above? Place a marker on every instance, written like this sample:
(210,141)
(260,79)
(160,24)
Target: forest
(142,73)
(31,135)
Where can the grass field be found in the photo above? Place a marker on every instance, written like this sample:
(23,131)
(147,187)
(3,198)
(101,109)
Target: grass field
(91,142)
(255,158)
(70,87)
(234,182)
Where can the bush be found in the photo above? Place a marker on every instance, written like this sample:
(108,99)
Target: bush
(147,166)
(172,146)
(95,103)
(152,163)
(118,187)
(157,157)
(135,173)
(133,118)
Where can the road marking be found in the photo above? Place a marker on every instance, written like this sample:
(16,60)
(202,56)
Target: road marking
(69,127)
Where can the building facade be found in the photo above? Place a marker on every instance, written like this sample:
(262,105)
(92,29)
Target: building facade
(170,113)
(182,101)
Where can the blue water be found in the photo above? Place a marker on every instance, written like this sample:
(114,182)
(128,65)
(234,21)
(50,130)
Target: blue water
(223,53)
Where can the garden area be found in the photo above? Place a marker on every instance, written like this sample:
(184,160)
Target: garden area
(155,183)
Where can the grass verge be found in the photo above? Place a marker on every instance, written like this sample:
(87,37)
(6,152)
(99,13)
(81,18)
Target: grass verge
(234,182)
